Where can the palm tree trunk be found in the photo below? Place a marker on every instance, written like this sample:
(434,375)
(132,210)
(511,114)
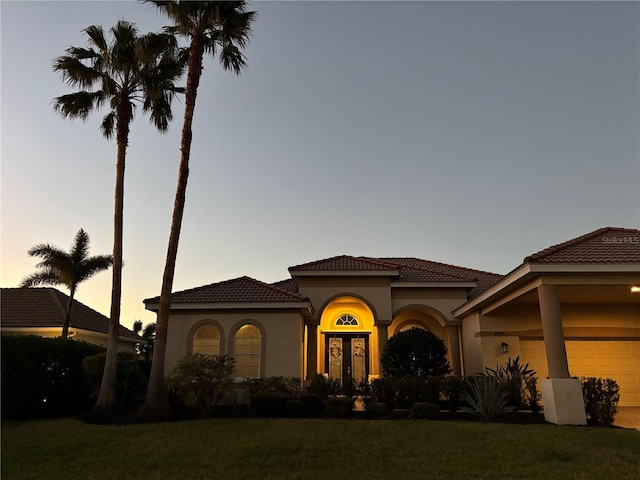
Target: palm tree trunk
(107,395)
(67,314)
(155,394)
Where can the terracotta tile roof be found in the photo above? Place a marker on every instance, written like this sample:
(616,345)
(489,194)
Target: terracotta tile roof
(605,245)
(237,290)
(418,270)
(45,307)
(346,262)
(288,284)
(411,270)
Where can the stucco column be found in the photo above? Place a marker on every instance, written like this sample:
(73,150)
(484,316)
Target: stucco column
(312,350)
(383,337)
(552,331)
(561,395)
(454,349)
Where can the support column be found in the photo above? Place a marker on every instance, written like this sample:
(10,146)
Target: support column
(312,350)
(454,349)
(383,337)
(561,394)
(552,332)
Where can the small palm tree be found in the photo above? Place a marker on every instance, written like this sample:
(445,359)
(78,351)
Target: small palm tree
(122,72)
(221,29)
(66,268)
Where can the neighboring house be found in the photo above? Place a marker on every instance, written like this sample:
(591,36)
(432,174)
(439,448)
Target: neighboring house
(334,317)
(41,311)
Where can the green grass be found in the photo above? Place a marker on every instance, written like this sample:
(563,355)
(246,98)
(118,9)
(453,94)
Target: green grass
(315,449)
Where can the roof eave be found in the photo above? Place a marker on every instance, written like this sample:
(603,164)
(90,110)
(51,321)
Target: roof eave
(529,270)
(235,306)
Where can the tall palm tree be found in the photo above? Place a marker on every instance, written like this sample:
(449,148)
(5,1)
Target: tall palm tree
(122,72)
(66,268)
(221,29)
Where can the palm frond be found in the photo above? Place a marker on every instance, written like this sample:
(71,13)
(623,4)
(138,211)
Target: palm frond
(45,277)
(75,73)
(107,127)
(93,265)
(97,38)
(79,104)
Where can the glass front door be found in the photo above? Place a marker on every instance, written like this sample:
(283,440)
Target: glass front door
(347,357)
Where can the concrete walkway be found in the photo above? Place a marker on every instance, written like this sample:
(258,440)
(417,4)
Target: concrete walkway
(628,417)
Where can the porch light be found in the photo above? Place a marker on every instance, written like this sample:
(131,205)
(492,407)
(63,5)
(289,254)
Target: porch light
(635,289)
(505,347)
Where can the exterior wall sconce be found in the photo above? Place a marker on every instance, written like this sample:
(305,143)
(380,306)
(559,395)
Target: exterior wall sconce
(505,347)
(635,289)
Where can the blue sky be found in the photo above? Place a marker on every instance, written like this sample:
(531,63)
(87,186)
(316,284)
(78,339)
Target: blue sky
(471,133)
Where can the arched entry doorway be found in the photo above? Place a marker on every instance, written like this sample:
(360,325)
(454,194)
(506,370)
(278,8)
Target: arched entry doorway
(346,337)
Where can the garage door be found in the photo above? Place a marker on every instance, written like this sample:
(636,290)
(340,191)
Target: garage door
(619,360)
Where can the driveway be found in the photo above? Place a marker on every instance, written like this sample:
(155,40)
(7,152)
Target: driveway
(628,417)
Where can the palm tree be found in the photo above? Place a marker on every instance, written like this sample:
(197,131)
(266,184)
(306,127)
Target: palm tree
(220,29)
(66,268)
(149,334)
(122,72)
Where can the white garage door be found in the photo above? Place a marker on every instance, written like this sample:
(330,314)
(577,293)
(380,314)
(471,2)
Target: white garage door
(615,359)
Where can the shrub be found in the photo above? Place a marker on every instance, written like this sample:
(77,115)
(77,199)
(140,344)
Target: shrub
(377,409)
(294,408)
(43,377)
(485,398)
(207,377)
(289,386)
(533,395)
(425,410)
(338,407)
(384,390)
(601,396)
(319,386)
(451,388)
(415,353)
(268,405)
(132,377)
(512,377)
(312,402)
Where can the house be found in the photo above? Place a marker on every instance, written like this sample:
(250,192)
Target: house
(569,310)
(41,311)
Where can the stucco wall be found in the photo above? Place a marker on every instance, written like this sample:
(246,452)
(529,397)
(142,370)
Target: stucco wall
(282,337)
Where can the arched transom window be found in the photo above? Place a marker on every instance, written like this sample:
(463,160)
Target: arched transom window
(207,340)
(247,348)
(346,319)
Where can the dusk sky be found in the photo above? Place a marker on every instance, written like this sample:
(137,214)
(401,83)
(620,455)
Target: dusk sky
(470,133)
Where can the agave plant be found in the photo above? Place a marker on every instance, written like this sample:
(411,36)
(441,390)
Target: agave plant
(513,377)
(485,398)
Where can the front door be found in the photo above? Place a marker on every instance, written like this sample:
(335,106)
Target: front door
(347,356)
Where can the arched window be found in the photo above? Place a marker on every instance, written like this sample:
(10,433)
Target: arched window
(207,340)
(246,352)
(347,319)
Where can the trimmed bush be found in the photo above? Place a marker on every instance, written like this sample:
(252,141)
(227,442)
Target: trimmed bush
(425,410)
(268,405)
(338,407)
(384,390)
(43,377)
(294,408)
(377,409)
(601,397)
(312,402)
(451,388)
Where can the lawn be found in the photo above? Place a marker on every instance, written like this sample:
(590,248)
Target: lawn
(315,449)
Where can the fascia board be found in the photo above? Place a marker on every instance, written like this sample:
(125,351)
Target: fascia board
(433,285)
